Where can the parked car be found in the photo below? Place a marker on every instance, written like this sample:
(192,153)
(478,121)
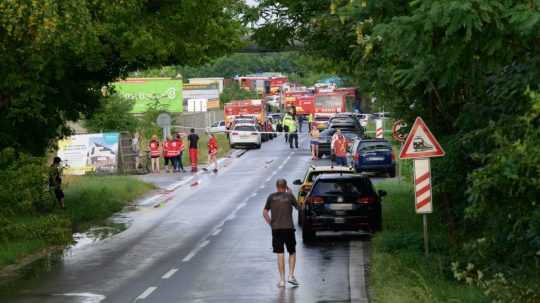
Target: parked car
(341,202)
(382,115)
(321,121)
(312,173)
(218,127)
(364,119)
(374,155)
(245,135)
(325,139)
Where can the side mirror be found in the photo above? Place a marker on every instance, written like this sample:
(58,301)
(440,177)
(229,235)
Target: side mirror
(382,193)
(297,182)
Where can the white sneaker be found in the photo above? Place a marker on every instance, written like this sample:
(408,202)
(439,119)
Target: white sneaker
(281,284)
(293,281)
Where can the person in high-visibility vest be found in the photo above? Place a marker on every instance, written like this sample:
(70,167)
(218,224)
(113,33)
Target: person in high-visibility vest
(154,153)
(212,152)
(180,151)
(290,124)
(340,150)
(310,121)
(169,153)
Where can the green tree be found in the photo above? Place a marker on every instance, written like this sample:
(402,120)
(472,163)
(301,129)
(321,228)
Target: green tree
(113,115)
(56,55)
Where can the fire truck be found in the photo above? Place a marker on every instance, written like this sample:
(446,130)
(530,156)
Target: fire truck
(263,84)
(248,108)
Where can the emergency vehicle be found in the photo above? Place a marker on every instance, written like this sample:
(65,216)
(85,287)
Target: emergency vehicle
(246,108)
(264,84)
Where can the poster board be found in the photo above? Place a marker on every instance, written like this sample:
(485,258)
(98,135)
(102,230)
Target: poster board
(89,153)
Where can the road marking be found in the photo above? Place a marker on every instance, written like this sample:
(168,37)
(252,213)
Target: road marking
(261,187)
(204,244)
(358,263)
(253,195)
(89,297)
(191,255)
(146,293)
(216,232)
(170,273)
(241,205)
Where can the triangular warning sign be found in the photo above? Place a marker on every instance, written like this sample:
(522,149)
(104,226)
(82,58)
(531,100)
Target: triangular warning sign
(420,143)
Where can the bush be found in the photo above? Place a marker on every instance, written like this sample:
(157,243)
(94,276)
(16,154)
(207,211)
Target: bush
(113,115)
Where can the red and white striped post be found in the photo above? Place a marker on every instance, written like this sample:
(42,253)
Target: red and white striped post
(422,192)
(379,129)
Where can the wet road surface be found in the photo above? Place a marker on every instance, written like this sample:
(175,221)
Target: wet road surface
(207,243)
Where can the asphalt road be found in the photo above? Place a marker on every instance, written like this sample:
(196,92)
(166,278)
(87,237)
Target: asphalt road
(207,243)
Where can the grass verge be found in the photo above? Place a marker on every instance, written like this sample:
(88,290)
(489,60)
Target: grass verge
(89,200)
(399,270)
(223,149)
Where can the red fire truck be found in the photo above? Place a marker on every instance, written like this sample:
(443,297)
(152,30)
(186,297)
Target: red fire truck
(251,108)
(266,85)
(330,103)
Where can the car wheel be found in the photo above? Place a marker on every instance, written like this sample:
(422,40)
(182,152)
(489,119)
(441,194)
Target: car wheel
(258,146)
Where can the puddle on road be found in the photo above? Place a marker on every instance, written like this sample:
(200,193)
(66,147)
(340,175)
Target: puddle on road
(22,279)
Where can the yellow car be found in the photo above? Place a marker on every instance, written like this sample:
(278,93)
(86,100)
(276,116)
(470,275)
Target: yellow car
(311,174)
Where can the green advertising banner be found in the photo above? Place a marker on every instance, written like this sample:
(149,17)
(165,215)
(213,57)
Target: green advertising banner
(146,91)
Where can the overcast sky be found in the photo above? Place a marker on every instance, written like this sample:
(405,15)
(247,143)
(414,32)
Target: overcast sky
(251,2)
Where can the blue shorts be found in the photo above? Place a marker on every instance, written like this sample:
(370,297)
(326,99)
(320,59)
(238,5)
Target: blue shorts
(314,142)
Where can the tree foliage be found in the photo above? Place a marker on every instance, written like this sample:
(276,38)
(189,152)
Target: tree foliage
(464,66)
(234,92)
(113,115)
(56,55)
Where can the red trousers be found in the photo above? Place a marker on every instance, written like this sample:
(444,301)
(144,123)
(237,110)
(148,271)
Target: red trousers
(193,158)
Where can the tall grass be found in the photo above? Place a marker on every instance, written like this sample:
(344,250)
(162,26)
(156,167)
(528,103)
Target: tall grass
(399,272)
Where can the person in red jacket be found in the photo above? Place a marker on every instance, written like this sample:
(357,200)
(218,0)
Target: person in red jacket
(154,153)
(169,153)
(180,145)
(212,152)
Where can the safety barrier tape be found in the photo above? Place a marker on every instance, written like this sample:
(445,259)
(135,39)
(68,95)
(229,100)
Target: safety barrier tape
(207,129)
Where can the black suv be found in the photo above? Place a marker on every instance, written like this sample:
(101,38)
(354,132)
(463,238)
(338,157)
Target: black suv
(341,202)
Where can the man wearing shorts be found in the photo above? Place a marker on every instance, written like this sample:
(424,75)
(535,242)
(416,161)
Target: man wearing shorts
(278,214)
(55,180)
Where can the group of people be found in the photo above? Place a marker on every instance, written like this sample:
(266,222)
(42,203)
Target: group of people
(172,151)
(291,125)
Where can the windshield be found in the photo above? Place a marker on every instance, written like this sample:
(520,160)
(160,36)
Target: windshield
(361,187)
(315,174)
(245,128)
(322,118)
(367,146)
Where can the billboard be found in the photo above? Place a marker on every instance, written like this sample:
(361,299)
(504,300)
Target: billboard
(89,153)
(146,91)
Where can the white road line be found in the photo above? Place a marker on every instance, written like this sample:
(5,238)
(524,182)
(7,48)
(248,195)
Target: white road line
(261,187)
(268,179)
(241,205)
(88,297)
(253,195)
(170,273)
(191,255)
(204,244)
(358,262)
(216,232)
(146,293)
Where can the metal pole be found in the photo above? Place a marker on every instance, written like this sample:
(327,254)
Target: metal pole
(426,239)
(399,164)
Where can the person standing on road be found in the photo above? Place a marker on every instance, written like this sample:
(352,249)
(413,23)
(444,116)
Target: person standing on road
(290,123)
(180,145)
(315,136)
(340,150)
(154,153)
(55,180)
(193,139)
(300,122)
(169,154)
(278,214)
(212,152)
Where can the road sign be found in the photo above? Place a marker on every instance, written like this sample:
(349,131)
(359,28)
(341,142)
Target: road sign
(397,130)
(420,143)
(164,120)
(422,185)
(379,130)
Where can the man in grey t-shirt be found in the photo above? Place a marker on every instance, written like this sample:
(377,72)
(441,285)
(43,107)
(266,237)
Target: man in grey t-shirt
(278,214)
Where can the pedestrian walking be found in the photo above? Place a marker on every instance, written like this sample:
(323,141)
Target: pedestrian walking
(278,214)
(55,181)
(180,145)
(193,139)
(154,153)
(212,153)
(169,153)
(340,150)
(315,136)
(290,124)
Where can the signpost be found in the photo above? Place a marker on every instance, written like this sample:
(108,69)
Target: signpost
(379,129)
(399,135)
(421,145)
(164,121)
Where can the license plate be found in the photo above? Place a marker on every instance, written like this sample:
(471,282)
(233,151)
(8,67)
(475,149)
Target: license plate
(340,206)
(339,220)
(244,136)
(375,159)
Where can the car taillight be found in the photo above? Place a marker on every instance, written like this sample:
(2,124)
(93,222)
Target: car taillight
(315,200)
(365,200)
